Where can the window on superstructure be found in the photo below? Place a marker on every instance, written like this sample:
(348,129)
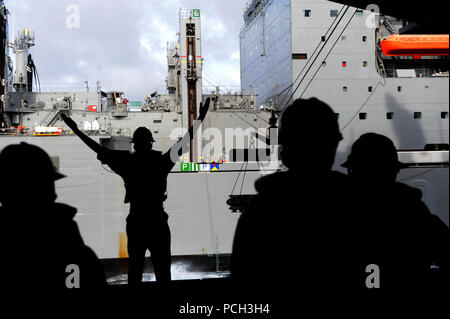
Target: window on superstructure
(444,115)
(307,13)
(417,115)
(363,116)
(299,56)
(334,13)
(390,115)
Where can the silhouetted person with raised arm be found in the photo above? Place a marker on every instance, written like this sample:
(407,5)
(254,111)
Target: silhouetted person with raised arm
(401,236)
(42,244)
(293,236)
(145,173)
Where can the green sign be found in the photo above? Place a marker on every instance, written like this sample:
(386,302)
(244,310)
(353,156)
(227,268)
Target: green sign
(135,103)
(196,13)
(189,167)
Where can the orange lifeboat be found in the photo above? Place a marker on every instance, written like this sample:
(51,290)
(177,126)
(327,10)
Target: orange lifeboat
(415,45)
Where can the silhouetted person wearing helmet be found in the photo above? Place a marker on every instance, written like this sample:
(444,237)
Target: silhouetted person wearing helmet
(401,236)
(43,244)
(144,173)
(293,236)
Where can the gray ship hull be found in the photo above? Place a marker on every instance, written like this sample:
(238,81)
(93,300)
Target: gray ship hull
(199,218)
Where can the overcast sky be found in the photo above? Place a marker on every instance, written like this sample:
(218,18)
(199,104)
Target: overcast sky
(122,43)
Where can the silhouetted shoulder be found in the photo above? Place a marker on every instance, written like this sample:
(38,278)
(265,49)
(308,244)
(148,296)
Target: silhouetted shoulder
(118,161)
(69,247)
(339,178)
(407,191)
(57,222)
(64,211)
(411,199)
(272,182)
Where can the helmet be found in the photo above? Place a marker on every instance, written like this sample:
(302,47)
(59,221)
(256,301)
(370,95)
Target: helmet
(28,161)
(142,134)
(374,149)
(305,118)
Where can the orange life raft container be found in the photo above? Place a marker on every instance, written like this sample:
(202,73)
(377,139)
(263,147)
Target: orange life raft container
(415,45)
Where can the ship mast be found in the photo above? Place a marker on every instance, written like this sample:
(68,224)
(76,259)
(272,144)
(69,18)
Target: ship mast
(23,73)
(191,74)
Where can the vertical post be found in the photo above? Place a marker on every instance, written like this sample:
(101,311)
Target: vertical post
(190,76)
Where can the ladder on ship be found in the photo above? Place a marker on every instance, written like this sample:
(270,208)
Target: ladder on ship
(51,118)
(380,64)
(388,25)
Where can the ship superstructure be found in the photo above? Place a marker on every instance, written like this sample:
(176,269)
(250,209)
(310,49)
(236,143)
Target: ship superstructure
(301,49)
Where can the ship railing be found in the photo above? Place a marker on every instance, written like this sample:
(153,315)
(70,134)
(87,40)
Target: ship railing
(223,89)
(68,87)
(108,130)
(51,118)
(424,158)
(117,131)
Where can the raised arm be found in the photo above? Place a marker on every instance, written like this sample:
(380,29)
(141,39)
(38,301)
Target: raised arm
(177,149)
(93,145)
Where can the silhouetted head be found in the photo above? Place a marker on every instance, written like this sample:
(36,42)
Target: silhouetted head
(142,139)
(309,135)
(373,159)
(28,176)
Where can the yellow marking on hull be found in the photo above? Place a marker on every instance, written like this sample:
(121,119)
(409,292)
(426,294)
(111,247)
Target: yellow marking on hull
(123,241)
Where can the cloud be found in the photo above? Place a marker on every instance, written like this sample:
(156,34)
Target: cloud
(123,44)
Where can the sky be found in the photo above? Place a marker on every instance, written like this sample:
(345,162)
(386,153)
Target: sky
(122,43)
